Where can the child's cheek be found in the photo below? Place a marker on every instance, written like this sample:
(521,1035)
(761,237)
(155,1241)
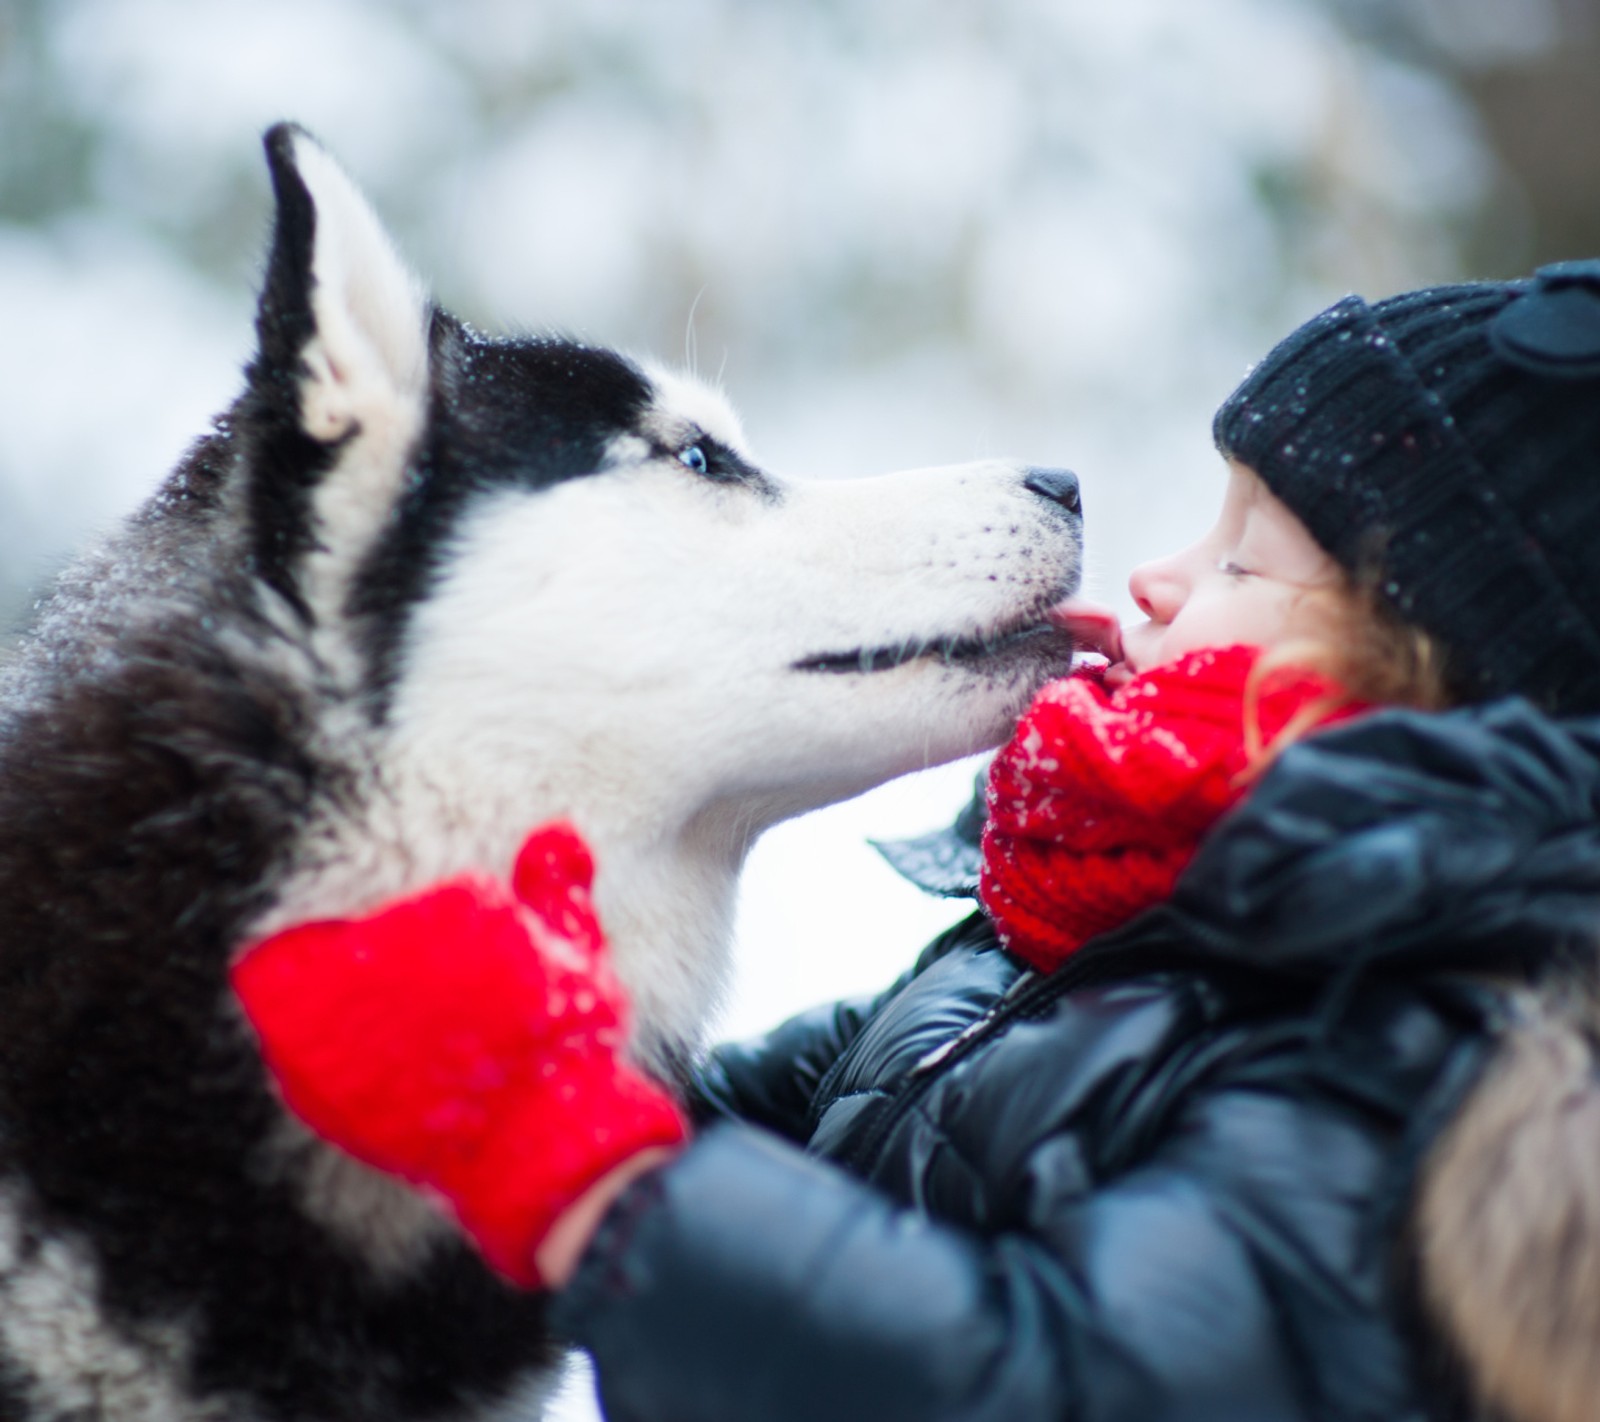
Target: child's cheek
(1247,612)
(1264,615)
(1212,617)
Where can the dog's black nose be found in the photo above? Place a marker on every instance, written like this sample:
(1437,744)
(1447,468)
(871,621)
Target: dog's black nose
(1060,486)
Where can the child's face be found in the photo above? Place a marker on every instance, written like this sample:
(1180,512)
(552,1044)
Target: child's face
(1244,583)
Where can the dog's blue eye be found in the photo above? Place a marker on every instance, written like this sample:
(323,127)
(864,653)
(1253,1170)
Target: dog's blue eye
(693,458)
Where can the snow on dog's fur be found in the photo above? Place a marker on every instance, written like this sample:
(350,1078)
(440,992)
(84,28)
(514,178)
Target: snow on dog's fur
(418,592)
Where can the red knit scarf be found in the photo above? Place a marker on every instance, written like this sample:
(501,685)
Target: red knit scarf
(1100,798)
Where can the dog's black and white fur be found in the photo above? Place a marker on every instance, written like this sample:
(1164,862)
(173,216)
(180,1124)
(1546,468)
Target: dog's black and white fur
(418,592)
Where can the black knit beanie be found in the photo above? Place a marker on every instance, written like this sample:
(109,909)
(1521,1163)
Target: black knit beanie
(1446,443)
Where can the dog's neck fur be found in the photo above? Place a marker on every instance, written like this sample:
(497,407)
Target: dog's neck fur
(667,904)
(665,883)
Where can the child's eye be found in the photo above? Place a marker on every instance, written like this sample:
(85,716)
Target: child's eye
(1232,570)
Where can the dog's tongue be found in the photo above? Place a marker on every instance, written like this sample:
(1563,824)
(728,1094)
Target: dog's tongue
(1093,627)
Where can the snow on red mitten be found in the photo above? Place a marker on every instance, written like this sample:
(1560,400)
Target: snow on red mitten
(469,1039)
(1101,797)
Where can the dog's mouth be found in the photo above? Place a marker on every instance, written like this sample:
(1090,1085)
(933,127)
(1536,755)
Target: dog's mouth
(1034,633)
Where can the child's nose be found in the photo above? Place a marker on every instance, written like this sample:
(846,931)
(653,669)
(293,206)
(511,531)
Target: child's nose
(1155,591)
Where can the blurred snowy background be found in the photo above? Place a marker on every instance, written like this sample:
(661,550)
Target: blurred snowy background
(901,232)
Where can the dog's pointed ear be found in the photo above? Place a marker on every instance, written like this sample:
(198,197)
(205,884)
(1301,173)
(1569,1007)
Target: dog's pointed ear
(342,322)
(337,399)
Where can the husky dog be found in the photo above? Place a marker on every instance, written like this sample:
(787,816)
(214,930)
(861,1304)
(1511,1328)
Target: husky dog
(417,592)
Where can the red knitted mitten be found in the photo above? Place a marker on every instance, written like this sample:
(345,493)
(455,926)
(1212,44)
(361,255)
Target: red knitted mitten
(468,1039)
(1100,799)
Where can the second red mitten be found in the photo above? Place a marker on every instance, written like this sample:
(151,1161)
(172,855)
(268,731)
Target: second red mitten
(1101,797)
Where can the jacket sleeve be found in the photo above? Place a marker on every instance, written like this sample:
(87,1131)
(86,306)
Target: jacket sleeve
(771,1080)
(749,1280)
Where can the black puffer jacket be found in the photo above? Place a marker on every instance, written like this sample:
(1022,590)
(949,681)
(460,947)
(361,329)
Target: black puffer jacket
(1172,1180)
